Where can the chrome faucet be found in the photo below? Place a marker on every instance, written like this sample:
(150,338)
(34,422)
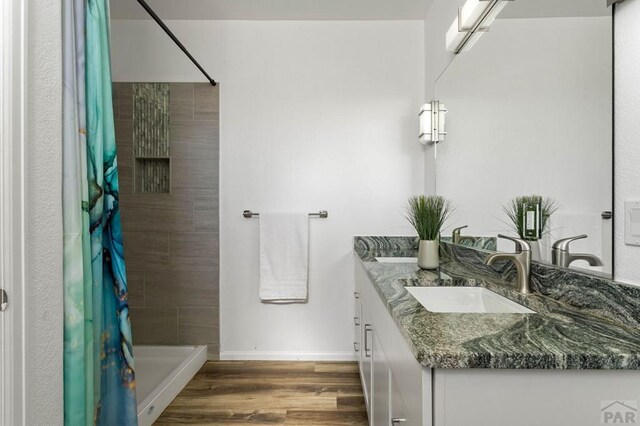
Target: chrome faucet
(560,255)
(522,260)
(455,235)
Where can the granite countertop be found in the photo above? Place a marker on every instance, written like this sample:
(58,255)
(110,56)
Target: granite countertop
(557,336)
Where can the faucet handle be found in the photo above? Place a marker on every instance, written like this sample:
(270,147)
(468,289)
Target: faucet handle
(455,235)
(563,244)
(521,245)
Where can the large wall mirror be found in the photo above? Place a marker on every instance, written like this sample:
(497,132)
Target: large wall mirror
(530,113)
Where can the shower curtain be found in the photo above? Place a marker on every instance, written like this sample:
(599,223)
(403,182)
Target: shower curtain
(99,380)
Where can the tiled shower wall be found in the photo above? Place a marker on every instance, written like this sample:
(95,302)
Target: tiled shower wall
(171,240)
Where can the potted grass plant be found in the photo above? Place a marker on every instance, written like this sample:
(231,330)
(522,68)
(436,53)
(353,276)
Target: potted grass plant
(428,215)
(515,211)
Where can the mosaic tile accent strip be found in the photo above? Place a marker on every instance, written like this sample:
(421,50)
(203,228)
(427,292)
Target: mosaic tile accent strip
(151,119)
(151,137)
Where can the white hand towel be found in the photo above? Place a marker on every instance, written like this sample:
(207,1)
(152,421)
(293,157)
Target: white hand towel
(284,257)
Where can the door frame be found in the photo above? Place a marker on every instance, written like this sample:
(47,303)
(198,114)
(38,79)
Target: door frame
(13,48)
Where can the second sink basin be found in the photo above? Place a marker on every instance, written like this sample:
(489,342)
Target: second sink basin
(465,299)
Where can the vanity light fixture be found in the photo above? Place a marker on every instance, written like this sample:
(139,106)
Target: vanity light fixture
(474,19)
(432,128)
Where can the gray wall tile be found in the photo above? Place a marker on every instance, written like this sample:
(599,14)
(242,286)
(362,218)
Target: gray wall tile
(156,212)
(181,101)
(206,101)
(124,138)
(125,175)
(146,250)
(206,213)
(154,326)
(198,251)
(198,325)
(193,173)
(194,139)
(125,101)
(135,287)
(181,288)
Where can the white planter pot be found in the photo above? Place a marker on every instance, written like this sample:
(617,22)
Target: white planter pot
(429,254)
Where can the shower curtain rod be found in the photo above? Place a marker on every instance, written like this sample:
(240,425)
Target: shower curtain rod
(175,39)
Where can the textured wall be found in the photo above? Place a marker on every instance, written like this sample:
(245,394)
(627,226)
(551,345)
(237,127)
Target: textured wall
(627,149)
(171,240)
(44,305)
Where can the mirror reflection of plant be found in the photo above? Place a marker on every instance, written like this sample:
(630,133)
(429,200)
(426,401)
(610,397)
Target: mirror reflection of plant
(515,212)
(428,215)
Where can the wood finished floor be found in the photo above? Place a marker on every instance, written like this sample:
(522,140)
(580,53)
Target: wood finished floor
(270,393)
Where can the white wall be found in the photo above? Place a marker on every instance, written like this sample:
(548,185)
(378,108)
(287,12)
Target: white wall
(314,115)
(535,120)
(44,305)
(627,128)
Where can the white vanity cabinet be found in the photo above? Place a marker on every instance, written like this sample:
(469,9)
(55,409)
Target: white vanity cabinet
(402,392)
(393,382)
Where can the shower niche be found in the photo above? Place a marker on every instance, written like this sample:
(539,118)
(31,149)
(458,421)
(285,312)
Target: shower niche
(151,128)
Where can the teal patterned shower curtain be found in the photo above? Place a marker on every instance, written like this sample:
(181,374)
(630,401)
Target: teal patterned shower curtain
(99,380)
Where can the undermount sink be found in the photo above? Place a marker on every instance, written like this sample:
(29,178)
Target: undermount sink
(397,259)
(465,299)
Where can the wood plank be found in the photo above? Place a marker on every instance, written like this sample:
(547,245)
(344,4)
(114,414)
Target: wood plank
(329,418)
(336,367)
(351,403)
(222,417)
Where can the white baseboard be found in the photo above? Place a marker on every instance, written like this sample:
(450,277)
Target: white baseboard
(286,356)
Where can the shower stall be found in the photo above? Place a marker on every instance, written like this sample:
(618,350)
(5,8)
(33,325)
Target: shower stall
(167,136)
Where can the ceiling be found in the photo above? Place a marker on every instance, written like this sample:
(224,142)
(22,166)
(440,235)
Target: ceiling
(275,9)
(555,8)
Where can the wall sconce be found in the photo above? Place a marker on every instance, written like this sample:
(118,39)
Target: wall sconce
(432,128)
(474,19)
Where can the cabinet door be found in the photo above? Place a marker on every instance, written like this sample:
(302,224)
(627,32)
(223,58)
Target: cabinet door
(399,414)
(366,352)
(381,393)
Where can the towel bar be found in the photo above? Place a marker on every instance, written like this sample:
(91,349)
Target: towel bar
(323,214)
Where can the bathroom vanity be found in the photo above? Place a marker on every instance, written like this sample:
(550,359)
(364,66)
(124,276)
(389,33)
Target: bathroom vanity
(528,116)
(563,364)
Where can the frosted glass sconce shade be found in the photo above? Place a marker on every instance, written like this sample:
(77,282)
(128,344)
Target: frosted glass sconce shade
(432,122)
(474,18)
